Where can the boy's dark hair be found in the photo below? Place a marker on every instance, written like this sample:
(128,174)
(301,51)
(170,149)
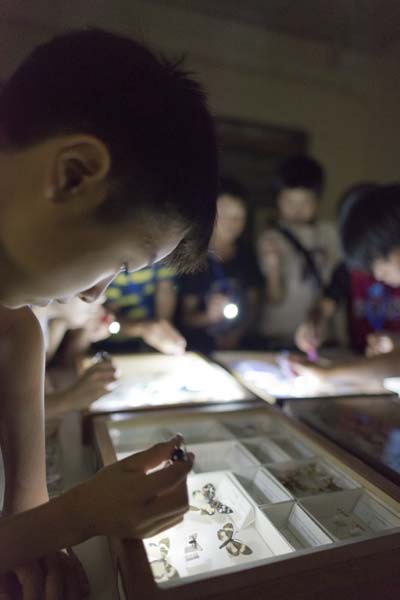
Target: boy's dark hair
(231,187)
(369,224)
(150,114)
(300,172)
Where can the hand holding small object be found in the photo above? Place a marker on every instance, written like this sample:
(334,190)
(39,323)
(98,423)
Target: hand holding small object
(318,370)
(312,355)
(148,500)
(179,452)
(270,255)
(216,305)
(308,338)
(91,385)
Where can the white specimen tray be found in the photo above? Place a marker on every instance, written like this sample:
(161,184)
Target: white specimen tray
(350,514)
(299,529)
(218,456)
(250,528)
(310,478)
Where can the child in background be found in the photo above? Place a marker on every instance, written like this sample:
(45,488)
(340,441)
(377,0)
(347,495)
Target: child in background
(144,304)
(372,307)
(69,329)
(231,280)
(369,228)
(297,254)
(86,323)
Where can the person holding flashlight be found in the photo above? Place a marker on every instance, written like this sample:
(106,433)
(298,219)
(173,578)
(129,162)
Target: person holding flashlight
(144,304)
(218,305)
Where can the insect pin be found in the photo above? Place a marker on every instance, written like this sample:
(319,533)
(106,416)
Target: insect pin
(193,548)
(194,543)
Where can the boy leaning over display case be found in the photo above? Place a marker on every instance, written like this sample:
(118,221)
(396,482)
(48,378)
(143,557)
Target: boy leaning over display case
(107,162)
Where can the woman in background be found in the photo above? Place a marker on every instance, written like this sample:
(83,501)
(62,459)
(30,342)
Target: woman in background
(219,305)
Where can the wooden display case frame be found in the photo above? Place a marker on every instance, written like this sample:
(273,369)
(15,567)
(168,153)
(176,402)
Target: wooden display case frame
(351,569)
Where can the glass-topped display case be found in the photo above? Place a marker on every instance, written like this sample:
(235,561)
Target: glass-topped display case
(269,376)
(153,380)
(367,427)
(272,506)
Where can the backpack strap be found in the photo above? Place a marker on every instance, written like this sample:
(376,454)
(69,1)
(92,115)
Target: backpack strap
(304,252)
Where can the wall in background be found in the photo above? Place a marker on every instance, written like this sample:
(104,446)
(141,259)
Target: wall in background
(347,102)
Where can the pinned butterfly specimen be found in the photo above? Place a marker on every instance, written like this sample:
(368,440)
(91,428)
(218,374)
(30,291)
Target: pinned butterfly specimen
(194,542)
(234,547)
(193,548)
(346,524)
(162,569)
(207,503)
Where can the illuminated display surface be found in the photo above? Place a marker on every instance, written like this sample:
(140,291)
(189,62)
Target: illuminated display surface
(257,492)
(156,379)
(270,374)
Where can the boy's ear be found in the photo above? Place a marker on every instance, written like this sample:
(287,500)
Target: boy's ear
(79,166)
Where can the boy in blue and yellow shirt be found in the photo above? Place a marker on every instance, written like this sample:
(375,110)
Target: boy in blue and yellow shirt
(144,303)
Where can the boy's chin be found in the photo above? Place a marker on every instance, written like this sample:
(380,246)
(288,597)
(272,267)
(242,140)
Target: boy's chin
(16,304)
(40,303)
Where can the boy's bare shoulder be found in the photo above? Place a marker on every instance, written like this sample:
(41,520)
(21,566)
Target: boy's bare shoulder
(18,319)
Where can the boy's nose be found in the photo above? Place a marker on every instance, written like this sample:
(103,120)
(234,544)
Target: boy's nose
(92,294)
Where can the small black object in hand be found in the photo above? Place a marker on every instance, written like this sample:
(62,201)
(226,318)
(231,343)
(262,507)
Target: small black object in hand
(178,454)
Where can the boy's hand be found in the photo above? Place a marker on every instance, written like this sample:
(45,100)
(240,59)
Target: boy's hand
(162,336)
(308,336)
(381,343)
(123,501)
(215,307)
(228,341)
(270,255)
(59,576)
(315,372)
(94,383)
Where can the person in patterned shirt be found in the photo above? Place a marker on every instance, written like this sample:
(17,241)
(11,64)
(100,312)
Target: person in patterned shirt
(144,304)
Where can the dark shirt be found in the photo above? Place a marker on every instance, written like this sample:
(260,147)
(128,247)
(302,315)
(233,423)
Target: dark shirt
(232,278)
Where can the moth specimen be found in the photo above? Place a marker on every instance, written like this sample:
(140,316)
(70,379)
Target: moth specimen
(207,503)
(308,480)
(161,567)
(233,546)
(346,525)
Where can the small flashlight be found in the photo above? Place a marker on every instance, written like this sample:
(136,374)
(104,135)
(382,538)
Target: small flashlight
(114,327)
(231,310)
